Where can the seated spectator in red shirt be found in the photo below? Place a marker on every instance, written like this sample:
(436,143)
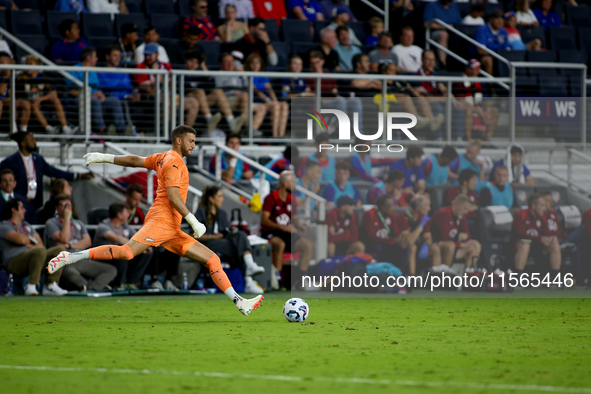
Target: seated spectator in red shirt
(552,225)
(468,180)
(381,235)
(68,49)
(270,9)
(528,235)
(257,41)
(449,229)
(343,234)
(133,197)
(200,20)
(147,82)
(392,187)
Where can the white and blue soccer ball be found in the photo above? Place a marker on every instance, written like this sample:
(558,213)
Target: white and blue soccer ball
(296,310)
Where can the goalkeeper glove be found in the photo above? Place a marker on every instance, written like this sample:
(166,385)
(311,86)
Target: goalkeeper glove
(198,227)
(95,157)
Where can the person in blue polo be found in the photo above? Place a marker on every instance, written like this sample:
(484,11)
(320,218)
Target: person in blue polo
(435,166)
(493,36)
(341,186)
(327,163)
(498,192)
(412,167)
(467,160)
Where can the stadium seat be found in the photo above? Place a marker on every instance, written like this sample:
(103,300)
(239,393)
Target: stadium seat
(96,25)
(302,48)
(296,30)
(159,7)
(134,6)
(521,193)
(167,25)
(512,56)
(572,56)
(464,8)
(542,57)
(528,86)
(97,215)
(584,34)
(495,232)
(459,45)
(54,18)
(26,22)
(212,51)
(559,194)
(37,42)
(137,19)
(183,8)
(101,44)
(272,29)
(491,8)
(529,33)
(319,25)
(359,29)
(282,50)
(574,83)
(557,86)
(578,16)
(562,38)
(3,20)
(26,4)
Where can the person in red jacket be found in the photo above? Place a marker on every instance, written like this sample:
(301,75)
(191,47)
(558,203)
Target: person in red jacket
(552,225)
(381,233)
(343,234)
(468,180)
(528,234)
(449,229)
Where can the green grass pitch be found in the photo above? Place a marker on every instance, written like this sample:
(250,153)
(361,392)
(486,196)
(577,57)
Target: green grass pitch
(202,344)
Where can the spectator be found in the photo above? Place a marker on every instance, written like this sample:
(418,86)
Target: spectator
(392,187)
(436,92)
(328,43)
(514,36)
(409,55)
(341,186)
(343,234)
(233,29)
(29,168)
(204,28)
(468,180)
(23,252)
(520,172)
(77,6)
(233,244)
(329,9)
(4,47)
(327,162)
(133,196)
(377,27)
(295,87)
(524,15)
(107,7)
(243,10)
(190,40)
(281,226)
(265,94)
(498,192)
(527,236)
(23,105)
(412,224)
(285,162)
(493,36)
(383,54)
(257,41)
(546,16)
(127,41)
(71,234)
(8,5)
(305,10)
(552,225)
(7,185)
(364,86)
(114,230)
(381,234)
(233,169)
(412,169)
(99,102)
(342,19)
(35,88)
(234,88)
(151,36)
(435,166)
(479,113)
(467,160)
(270,9)
(56,187)
(449,229)
(362,163)
(447,11)
(475,17)
(147,82)
(68,49)
(309,181)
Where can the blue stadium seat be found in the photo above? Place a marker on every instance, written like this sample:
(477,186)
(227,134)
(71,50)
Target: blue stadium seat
(529,33)
(167,25)
(272,29)
(491,8)
(121,19)
(96,25)
(512,56)
(541,56)
(574,83)
(26,4)
(302,48)
(37,42)
(319,25)
(100,43)
(564,37)
(459,45)
(54,18)
(359,29)
(556,86)
(159,7)
(296,30)
(3,19)
(572,56)
(578,16)
(183,8)
(212,51)
(134,6)
(528,86)
(584,34)
(283,51)
(464,8)
(26,22)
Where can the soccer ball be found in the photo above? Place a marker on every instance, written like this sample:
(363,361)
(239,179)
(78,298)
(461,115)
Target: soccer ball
(296,310)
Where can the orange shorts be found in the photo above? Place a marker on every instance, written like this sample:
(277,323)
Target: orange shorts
(154,233)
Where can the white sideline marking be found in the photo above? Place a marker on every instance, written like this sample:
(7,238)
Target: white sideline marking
(495,386)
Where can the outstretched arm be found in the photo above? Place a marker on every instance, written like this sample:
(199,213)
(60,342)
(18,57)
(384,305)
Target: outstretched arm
(174,196)
(124,161)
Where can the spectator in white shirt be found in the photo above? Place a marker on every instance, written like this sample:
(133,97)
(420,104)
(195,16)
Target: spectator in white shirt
(474,18)
(151,36)
(524,15)
(409,55)
(107,6)
(243,8)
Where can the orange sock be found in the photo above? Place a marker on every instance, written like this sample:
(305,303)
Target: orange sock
(111,252)
(217,273)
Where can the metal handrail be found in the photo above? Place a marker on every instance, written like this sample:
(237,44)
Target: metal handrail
(549,65)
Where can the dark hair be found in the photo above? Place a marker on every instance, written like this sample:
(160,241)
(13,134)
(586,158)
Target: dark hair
(357,59)
(116,208)
(134,188)
(516,149)
(86,52)
(8,207)
(382,200)
(194,54)
(5,54)
(56,187)
(533,198)
(180,131)
(111,48)
(340,29)
(395,175)
(316,54)
(255,22)
(466,175)
(223,55)
(127,28)
(251,58)
(343,165)
(449,152)
(59,198)
(6,171)
(149,29)
(233,135)
(193,31)
(310,163)
(321,137)
(208,192)
(545,193)
(193,3)
(407,28)
(414,151)
(427,51)
(65,26)
(290,151)
(478,7)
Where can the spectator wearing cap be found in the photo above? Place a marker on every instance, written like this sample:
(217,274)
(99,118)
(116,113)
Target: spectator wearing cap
(77,6)
(243,9)
(257,41)
(447,11)
(493,36)
(341,186)
(305,10)
(342,19)
(329,9)
(435,166)
(391,186)
(199,20)
(514,35)
(343,232)
(409,55)
(376,26)
(412,167)
(521,174)
(147,82)
(127,45)
(546,16)
(383,53)
(151,36)
(475,17)
(190,40)
(345,50)
(68,49)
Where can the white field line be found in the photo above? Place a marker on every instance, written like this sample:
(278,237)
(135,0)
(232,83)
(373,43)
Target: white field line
(472,385)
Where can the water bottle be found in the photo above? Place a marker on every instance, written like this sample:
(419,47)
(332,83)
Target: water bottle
(10,287)
(185,281)
(200,284)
